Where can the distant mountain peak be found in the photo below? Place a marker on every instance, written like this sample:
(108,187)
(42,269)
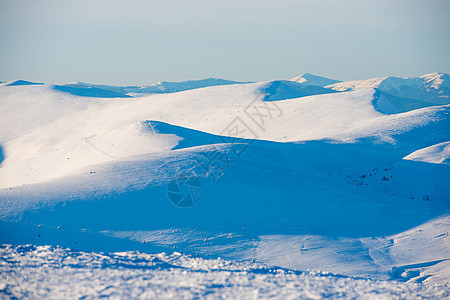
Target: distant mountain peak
(310,79)
(436,80)
(20,82)
(431,88)
(435,75)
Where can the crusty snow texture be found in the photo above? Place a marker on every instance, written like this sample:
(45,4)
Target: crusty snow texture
(30,272)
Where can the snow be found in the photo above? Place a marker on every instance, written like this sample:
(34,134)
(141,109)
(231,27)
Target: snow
(108,91)
(350,179)
(283,90)
(82,132)
(436,154)
(389,256)
(431,88)
(59,273)
(18,83)
(436,80)
(357,84)
(310,79)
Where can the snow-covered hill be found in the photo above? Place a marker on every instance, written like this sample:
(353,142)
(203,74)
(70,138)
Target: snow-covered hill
(432,88)
(350,178)
(314,80)
(393,94)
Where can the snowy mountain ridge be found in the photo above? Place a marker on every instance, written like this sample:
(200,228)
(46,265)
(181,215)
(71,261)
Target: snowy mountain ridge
(85,89)
(433,88)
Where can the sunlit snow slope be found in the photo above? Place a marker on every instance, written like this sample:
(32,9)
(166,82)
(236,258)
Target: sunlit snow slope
(350,178)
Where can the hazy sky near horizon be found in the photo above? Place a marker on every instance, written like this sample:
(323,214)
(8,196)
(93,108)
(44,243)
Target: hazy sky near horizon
(144,41)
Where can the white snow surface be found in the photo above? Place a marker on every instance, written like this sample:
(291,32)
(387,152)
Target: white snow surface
(351,179)
(436,154)
(59,273)
(99,90)
(432,88)
(48,134)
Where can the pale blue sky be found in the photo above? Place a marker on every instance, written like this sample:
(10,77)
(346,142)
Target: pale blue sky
(144,41)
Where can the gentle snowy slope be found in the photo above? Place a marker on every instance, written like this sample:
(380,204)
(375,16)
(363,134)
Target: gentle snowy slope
(437,154)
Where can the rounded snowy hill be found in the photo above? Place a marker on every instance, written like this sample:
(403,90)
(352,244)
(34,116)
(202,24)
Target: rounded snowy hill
(310,79)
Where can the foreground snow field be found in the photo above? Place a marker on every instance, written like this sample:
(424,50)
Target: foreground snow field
(30,272)
(350,178)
